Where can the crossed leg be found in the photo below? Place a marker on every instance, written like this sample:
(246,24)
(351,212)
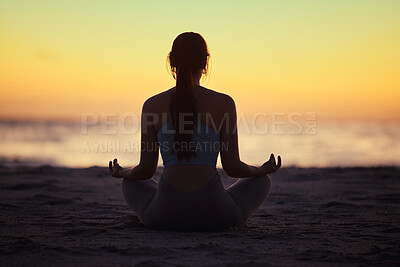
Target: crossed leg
(138,194)
(249,194)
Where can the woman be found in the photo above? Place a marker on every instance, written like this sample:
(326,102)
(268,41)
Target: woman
(190,125)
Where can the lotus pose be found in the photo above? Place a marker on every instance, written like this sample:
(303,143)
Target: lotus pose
(190,125)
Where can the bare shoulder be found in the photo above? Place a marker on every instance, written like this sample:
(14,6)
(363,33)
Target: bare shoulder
(157,101)
(222,100)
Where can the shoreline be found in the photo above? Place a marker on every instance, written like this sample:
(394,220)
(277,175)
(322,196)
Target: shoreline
(33,164)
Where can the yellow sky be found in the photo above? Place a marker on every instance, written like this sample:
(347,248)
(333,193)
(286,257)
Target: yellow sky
(340,59)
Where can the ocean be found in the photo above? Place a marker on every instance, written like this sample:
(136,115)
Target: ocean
(322,144)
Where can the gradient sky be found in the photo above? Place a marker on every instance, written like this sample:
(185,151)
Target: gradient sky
(340,59)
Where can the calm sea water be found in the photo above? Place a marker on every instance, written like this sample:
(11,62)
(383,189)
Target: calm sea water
(316,145)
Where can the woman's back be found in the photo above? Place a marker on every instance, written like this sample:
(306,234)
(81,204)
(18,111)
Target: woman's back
(213,113)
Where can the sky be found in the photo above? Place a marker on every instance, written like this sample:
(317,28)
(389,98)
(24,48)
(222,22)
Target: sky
(339,59)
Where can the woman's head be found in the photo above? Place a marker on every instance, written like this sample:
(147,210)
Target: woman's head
(189,51)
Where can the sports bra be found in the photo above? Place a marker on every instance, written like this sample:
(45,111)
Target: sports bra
(205,143)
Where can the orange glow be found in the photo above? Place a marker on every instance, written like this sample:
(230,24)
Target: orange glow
(342,63)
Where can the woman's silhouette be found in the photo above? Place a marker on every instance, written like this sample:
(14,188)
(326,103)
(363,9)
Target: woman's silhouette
(190,125)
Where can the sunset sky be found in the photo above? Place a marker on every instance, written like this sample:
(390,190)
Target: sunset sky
(340,59)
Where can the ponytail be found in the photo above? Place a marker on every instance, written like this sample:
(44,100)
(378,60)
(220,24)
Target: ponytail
(184,112)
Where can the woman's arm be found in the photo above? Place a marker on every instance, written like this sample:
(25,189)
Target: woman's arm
(230,158)
(148,152)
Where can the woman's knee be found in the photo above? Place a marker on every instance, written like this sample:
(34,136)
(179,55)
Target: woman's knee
(257,191)
(124,186)
(125,183)
(263,183)
(127,186)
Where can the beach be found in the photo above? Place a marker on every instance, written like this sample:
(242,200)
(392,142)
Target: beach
(217,84)
(57,216)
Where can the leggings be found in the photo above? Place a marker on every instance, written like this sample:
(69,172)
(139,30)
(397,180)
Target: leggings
(161,206)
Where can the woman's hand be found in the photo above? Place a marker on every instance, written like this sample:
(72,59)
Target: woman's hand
(115,170)
(270,166)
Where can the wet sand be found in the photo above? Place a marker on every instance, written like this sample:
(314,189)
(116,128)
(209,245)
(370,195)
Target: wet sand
(334,216)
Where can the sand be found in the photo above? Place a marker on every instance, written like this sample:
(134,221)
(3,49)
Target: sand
(334,216)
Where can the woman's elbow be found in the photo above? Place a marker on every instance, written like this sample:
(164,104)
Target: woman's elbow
(144,173)
(148,174)
(230,170)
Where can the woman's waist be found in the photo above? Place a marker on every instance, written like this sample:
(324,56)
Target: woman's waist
(188,177)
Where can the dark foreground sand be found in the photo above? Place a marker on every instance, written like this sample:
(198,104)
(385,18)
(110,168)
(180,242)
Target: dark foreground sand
(336,216)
